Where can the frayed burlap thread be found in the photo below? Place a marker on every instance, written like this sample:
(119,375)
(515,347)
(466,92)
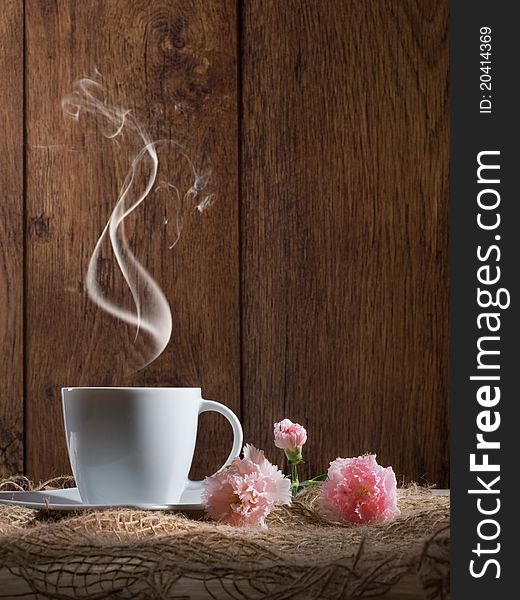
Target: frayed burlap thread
(132,554)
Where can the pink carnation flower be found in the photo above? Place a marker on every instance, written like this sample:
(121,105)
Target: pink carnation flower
(247,491)
(360,491)
(289,436)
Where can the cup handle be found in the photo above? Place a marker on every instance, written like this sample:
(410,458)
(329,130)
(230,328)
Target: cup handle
(238,436)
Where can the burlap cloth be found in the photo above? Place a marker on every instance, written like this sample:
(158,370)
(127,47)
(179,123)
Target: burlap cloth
(139,555)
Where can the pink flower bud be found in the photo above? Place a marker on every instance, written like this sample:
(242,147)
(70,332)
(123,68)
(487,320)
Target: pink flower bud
(289,436)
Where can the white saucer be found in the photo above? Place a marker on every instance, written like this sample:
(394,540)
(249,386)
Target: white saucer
(69,499)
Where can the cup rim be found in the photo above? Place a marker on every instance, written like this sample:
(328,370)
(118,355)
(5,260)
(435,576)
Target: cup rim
(69,388)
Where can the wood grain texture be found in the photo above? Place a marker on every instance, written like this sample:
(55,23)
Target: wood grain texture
(407,588)
(344,225)
(343,220)
(174,64)
(11,238)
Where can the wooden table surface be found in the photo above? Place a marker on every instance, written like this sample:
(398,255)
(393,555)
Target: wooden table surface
(12,587)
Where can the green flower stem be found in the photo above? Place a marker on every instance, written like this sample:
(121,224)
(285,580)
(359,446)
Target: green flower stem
(295,483)
(313,481)
(295,456)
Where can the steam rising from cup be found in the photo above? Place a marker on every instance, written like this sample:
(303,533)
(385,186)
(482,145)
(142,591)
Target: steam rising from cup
(152,314)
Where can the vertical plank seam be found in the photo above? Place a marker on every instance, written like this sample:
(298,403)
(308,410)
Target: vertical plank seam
(24,239)
(239,50)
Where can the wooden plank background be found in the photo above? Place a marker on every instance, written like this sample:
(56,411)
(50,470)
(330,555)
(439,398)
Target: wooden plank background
(345,228)
(316,287)
(11,239)
(154,56)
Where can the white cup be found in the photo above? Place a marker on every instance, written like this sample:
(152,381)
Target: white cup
(131,445)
